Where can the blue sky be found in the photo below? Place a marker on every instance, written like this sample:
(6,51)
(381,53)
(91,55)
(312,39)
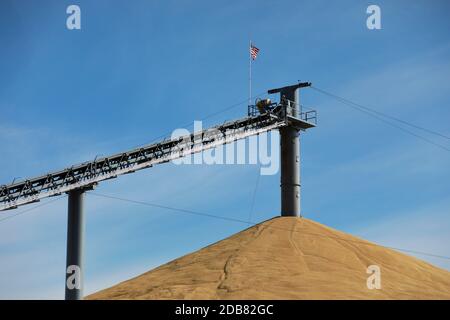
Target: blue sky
(139,69)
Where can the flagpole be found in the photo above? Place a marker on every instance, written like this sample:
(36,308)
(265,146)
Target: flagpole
(250,74)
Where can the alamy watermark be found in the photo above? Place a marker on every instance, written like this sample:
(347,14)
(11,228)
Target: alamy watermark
(262,149)
(74,277)
(73,21)
(374,280)
(373,21)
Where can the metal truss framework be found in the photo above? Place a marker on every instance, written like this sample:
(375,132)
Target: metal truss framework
(88,174)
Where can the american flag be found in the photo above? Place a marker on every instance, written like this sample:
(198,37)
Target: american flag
(253,51)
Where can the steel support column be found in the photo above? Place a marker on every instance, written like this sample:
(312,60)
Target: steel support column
(290,157)
(75,235)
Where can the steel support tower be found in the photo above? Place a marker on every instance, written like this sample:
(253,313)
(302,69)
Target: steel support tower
(290,150)
(75,244)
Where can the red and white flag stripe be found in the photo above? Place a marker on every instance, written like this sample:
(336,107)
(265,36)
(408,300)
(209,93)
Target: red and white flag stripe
(253,52)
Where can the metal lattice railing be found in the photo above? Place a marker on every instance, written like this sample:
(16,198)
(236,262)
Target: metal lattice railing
(87,174)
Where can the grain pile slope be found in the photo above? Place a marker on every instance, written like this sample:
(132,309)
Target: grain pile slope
(287,258)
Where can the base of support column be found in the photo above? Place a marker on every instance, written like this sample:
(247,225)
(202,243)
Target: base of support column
(75,244)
